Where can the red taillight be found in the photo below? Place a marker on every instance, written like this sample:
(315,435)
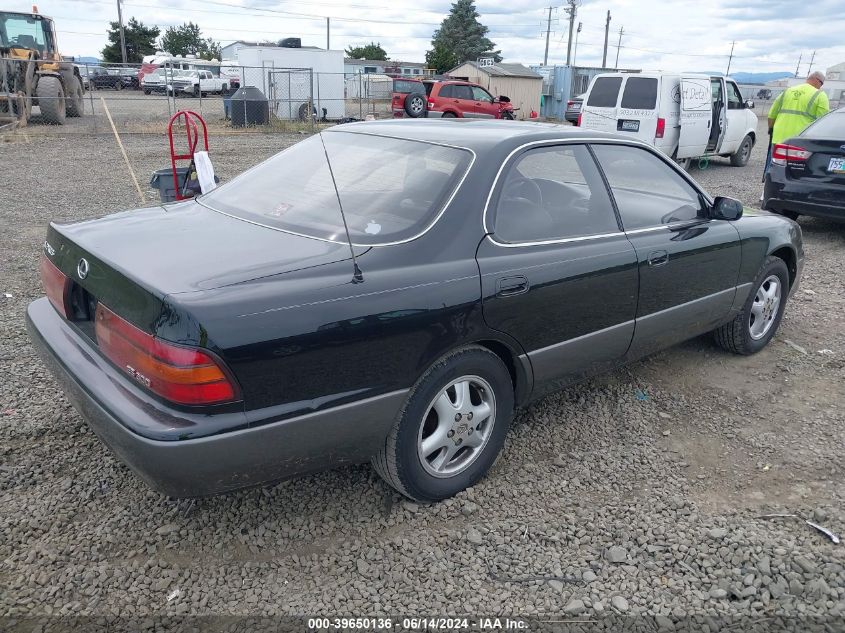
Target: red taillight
(781,153)
(180,374)
(661,128)
(56,286)
(580,114)
(569,104)
(430,104)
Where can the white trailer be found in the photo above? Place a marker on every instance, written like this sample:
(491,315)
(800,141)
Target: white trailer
(293,78)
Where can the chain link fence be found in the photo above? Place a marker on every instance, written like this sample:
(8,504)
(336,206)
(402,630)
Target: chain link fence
(140,98)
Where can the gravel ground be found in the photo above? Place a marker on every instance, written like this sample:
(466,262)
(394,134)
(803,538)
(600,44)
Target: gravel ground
(637,493)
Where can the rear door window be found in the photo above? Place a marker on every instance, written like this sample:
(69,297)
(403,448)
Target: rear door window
(640,93)
(462,92)
(605,92)
(553,193)
(447,92)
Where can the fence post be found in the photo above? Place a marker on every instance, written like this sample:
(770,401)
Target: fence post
(360,96)
(91,99)
(311,105)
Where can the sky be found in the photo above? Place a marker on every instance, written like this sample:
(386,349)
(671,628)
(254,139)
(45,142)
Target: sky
(768,35)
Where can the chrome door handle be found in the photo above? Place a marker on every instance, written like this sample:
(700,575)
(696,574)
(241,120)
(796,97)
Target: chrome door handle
(509,286)
(658,258)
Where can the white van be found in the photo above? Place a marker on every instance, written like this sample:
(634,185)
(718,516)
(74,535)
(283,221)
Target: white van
(684,115)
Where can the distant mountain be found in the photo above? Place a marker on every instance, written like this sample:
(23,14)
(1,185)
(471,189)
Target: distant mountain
(753,78)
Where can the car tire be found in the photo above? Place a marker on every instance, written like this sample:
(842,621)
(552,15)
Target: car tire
(448,115)
(760,316)
(147,92)
(51,100)
(75,99)
(740,157)
(469,382)
(507,115)
(415,105)
(118,85)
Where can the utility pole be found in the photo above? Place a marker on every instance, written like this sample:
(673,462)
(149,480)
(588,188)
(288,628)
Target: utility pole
(122,36)
(799,63)
(328,31)
(548,32)
(810,69)
(575,52)
(572,10)
(619,45)
(730,58)
(606,33)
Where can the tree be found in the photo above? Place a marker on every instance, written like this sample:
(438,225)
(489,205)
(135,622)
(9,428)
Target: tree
(372,51)
(460,38)
(140,41)
(187,40)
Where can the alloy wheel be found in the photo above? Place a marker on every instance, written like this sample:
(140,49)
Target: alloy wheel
(457,425)
(764,309)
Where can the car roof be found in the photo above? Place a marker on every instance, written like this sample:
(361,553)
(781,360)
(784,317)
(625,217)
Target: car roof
(472,134)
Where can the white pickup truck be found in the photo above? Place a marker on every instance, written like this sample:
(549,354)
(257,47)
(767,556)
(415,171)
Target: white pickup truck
(197,81)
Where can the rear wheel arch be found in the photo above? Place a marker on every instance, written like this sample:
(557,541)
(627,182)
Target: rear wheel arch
(510,357)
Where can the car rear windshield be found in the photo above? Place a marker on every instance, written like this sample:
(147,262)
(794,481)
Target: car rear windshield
(404,86)
(605,92)
(391,189)
(640,93)
(831,126)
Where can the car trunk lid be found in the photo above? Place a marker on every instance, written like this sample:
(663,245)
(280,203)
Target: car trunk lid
(185,247)
(826,163)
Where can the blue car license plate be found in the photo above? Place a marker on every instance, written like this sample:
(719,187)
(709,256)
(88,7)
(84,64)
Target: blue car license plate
(836,166)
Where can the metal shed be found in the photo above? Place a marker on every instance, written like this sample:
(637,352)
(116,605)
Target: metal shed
(517,82)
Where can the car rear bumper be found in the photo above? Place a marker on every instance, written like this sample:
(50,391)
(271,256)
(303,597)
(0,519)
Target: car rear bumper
(823,200)
(247,455)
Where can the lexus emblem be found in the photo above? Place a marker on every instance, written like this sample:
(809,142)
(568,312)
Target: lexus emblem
(82,268)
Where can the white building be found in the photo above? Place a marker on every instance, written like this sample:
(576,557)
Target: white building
(379,67)
(834,85)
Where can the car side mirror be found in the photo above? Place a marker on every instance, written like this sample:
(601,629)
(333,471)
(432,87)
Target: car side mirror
(749,104)
(726,209)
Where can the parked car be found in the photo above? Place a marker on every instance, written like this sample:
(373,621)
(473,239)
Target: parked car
(408,98)
(449,99)
(194,82)
(101,78)
(573,109)
(84,72)
(129,78)
(684,116)
(807,175)
(156,81)
(485,265)
(764,93)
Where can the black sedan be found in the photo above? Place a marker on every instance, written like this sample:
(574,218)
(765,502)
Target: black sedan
(807,175)
(101,78)
(392,291)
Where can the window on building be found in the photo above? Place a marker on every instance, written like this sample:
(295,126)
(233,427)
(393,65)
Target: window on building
(370,69)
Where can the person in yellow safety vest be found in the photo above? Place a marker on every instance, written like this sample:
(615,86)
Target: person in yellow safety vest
(797,107)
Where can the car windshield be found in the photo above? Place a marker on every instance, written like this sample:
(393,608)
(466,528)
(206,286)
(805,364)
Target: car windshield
(829,126)
(391,189)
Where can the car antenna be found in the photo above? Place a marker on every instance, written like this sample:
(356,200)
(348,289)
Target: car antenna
(357,275)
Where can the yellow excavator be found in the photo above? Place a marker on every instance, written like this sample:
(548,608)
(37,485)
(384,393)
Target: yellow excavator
(33,73)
